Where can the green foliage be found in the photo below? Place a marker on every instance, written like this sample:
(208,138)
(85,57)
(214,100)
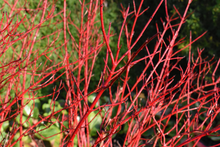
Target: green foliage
(45,132)
(204,17)
(95,122)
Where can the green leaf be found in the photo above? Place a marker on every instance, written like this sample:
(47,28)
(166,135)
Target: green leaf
(125,129)
(46,108)
(66,124)
(149,132)
(91,97)
(32,107)
(36,113)
(95,123)
(51,106)
(15,138)
(25,121)
(215,138)
(5,125)
(75,141)
(27,110)
(3,136)
(47,133)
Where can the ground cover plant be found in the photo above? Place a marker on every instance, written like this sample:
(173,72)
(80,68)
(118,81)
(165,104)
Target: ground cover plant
(47,61)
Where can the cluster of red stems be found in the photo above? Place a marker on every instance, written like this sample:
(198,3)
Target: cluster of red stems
(162,99)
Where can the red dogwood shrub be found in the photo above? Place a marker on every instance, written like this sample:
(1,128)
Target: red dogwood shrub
(47,62)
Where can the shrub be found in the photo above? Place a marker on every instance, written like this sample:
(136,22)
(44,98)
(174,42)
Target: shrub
(46,74)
